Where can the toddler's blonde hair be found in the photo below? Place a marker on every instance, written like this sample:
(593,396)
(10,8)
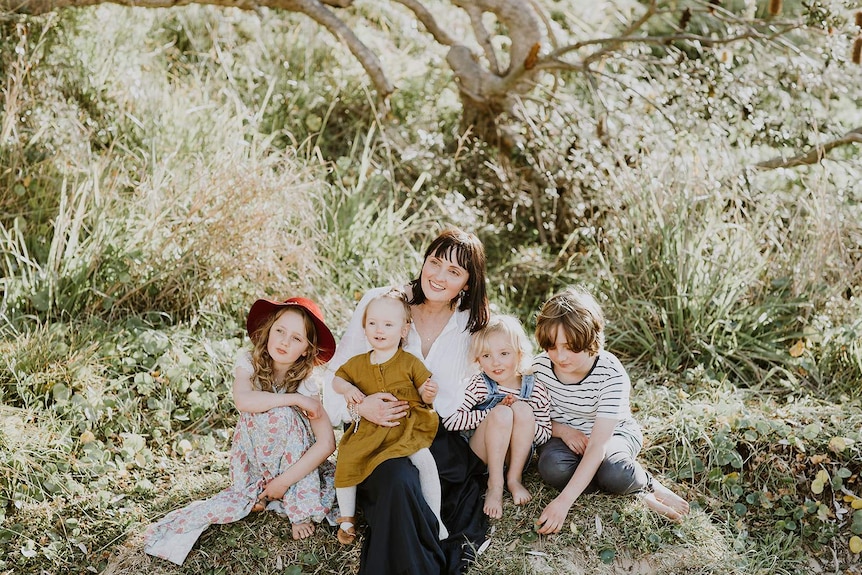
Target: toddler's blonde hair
(511,328)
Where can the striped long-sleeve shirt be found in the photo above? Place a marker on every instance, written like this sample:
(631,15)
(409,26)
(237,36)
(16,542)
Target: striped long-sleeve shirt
(603,393)
(466,417)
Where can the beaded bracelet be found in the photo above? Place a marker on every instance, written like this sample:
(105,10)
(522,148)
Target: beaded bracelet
(354,415)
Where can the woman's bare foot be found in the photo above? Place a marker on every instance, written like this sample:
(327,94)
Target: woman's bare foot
(520,495)
(493,507)
(665,502)
(302,530)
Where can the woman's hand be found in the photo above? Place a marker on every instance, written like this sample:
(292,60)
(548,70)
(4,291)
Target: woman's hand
(383,409)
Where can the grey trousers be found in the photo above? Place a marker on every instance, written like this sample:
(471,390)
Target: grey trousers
(619,473)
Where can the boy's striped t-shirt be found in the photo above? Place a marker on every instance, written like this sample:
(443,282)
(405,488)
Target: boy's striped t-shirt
(603,393)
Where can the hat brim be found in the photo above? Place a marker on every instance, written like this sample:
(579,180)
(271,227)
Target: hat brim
(263,308)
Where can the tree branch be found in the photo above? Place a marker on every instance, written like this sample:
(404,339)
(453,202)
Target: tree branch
(427,19)
(814,155)
(632,28)
(317,10)
(703,40)
(474,11)
(36,7)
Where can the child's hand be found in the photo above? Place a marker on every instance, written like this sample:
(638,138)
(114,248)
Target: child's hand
(553,517)
(509,399)
(428,391)
(575,440)
(274,491)
(312,407)
(353,395)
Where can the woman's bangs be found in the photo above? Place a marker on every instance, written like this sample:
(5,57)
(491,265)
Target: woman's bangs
(454,252)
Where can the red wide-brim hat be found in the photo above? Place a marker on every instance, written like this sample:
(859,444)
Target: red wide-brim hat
(263,308)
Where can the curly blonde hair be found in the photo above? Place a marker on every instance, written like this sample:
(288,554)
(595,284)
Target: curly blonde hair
(512,329)
(261,361)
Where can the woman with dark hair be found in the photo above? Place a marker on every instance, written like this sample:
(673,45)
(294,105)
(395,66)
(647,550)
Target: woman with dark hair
(448,303)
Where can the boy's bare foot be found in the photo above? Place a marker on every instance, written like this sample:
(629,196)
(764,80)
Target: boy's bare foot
(493,507)
(520,495)
(670,499)
(302,530)
(665,502)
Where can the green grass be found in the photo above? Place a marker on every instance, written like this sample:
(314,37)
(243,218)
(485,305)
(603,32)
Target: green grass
(156,178)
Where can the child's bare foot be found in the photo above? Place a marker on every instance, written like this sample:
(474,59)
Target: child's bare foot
(665,502)
(520,495)
(259,505)
(493,507)
(302,530)
(670,499)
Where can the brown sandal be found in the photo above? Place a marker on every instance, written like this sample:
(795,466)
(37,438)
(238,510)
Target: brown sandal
(346,536)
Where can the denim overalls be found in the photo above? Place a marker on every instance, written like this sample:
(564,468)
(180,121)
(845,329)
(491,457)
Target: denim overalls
(495,396)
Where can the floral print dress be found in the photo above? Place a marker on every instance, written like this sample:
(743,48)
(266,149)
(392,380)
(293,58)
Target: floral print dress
(264,446)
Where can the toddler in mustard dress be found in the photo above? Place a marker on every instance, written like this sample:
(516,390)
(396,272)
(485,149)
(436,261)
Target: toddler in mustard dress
(364,445)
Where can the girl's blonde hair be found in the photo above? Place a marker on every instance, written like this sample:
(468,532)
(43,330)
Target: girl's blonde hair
(395,294)
(580,316)
(261,361)
(511,328)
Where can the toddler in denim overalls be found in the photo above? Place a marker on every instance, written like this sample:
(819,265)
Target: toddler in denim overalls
(505,411)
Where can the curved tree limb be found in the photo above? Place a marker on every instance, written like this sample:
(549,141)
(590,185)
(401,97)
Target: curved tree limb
(424,15)
(36,7)
(317,10)
(815,154)
(475,11)
(484,86)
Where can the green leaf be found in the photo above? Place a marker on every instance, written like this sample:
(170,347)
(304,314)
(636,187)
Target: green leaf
(607,555)
(811,431)
(529,536)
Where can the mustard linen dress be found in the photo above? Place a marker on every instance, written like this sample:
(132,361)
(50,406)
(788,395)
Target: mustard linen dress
(365,445)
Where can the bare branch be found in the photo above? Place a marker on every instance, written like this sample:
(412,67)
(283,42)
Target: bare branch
(705,41)
(632,28)
(475,11)
(317,10)
(814,155)
(36,7)
(427,19)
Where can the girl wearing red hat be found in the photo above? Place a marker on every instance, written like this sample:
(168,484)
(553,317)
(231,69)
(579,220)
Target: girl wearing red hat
(282,438)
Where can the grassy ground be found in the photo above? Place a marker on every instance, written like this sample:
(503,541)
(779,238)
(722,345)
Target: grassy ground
(156,177)
(605,535)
